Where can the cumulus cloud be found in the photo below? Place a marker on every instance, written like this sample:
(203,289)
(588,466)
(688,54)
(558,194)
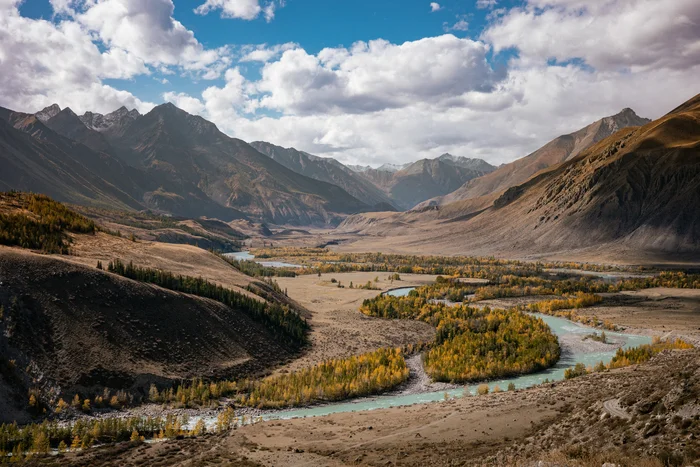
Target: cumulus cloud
(66,60)
(42,62)
(374,75)
(608,35)
(240,9)
(435,7)
(185,102)
(148,31)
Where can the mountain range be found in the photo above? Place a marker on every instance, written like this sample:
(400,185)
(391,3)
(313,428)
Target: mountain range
(172,162)
(621,178)
(167,160)
(611,188)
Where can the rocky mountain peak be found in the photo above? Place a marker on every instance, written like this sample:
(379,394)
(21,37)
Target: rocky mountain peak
(48,112)
(101,122)
(625,118)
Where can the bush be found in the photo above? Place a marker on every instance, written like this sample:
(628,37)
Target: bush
(483,389)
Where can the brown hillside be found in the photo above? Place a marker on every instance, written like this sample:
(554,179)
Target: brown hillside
(560,149)
(636,191)
(136,333)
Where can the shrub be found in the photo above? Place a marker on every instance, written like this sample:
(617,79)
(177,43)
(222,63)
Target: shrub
(483,389)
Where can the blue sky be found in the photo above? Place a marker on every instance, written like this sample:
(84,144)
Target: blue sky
(363,81)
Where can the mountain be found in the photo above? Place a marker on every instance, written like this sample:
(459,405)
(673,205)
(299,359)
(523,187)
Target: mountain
(631,194)
(167,161)
(413,183)
(119,117)
(36,158)
(467,163)
(48,112)
(359,168)
(388,167)
(188,150)
(326,170)
(68,124)
(556,151)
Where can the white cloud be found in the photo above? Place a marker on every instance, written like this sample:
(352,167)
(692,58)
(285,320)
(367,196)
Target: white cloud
(608,35)
(240,9)
(264,53)
(375,75)
(461,25)
(42,62)
(486,3)
(435,7)
(147,30)
(185,102)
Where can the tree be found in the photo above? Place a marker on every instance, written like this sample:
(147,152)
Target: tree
(99,265)
(200,428)
(61,406)
(40,444)
(62,447)
(135,438)
(225,420)
(511,386)
(76,443)
(153,394)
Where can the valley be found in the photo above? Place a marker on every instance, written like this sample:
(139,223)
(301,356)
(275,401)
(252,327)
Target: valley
(171,295)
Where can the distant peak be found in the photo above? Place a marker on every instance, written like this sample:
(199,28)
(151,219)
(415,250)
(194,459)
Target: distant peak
(68,111)
(627,117)
(627,111)
(48,112)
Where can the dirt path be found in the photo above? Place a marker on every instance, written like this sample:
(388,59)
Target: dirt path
(612,407)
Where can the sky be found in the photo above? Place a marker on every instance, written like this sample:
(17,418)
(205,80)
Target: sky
(363,81)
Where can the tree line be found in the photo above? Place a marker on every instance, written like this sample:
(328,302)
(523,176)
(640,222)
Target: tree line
(279,318)
(631,356)
(40,223)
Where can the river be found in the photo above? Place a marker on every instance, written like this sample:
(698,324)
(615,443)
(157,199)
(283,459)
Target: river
(247,256)
(567,331)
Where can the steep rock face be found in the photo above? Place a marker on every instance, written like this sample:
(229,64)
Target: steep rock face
(327,170)
(560,149)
